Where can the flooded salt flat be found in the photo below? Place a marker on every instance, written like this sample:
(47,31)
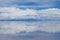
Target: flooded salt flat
(21,30)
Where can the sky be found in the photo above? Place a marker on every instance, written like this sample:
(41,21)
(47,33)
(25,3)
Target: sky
(31,3)
(35,9)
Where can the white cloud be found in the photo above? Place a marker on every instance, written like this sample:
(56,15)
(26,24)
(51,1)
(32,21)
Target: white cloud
(14,12)
(51,11)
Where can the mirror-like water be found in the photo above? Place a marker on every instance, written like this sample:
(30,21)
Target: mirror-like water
(21,30)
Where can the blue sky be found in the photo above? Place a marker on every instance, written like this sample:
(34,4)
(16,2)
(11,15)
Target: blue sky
(32,3)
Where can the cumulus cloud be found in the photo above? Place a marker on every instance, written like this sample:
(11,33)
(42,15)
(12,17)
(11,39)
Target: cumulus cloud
(51,11)
(14,12)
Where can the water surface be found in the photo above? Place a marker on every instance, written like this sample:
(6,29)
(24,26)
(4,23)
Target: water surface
(22,30)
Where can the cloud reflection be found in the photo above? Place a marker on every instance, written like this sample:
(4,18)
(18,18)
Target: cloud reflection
(17,27)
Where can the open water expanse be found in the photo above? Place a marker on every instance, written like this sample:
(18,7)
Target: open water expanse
(24,30)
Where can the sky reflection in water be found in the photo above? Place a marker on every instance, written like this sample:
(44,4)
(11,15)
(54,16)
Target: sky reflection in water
(21,30)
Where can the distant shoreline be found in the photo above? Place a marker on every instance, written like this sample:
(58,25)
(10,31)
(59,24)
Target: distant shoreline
(29,20)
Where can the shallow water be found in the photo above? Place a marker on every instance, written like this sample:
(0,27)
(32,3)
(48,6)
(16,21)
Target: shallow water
(21,30)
